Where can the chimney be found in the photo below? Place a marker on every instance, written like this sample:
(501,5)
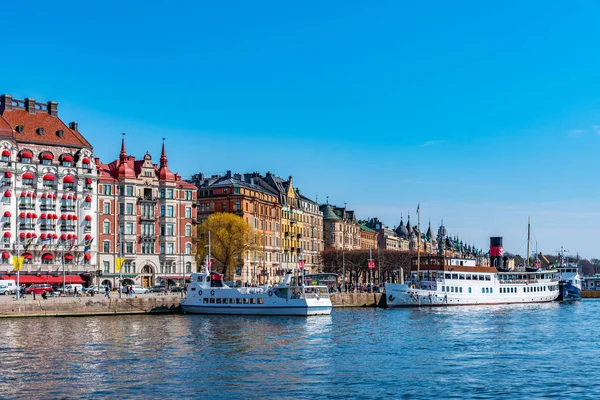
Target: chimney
(30,105)
(228,174)
(5,103)
(53,108)
(74,126)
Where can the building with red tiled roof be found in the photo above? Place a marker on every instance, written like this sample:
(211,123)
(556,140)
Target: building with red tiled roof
(154,210)
(48,181)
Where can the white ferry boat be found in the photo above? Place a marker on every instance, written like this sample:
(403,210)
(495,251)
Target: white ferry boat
(207,294)
(441,281)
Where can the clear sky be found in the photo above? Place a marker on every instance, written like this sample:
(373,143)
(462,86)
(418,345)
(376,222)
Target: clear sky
(484,112)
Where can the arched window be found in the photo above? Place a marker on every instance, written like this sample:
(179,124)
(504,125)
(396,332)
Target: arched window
(106,227)
(188,248)
(188,267)
(188,230)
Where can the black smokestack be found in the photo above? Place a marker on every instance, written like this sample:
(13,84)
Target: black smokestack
(496,252)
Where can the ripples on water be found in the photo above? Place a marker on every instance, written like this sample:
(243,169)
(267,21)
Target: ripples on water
(522,351)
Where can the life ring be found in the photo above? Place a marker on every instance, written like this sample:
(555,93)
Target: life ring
(212,292)
(199,292)
(270,293)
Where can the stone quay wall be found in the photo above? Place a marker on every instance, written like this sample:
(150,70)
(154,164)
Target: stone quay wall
(85,306)
(358,300)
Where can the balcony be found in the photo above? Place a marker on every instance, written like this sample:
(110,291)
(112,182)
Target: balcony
(47,207)
(147,217)
(147,238)
(64,207)
(47,227)
(147,199)
(67,228)
(26,206)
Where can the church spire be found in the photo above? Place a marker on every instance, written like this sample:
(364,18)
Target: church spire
(163,156)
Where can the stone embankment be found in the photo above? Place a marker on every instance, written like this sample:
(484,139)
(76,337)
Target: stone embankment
(84,306)
(358,300)
(590,294)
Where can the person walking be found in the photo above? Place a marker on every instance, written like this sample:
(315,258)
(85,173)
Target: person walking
(130,291)
(106,292)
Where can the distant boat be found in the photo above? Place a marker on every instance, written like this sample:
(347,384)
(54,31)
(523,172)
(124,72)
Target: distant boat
(207,294)
(569,280)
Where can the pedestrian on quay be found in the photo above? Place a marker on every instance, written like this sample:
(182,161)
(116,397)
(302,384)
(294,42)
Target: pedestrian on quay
(130,291)
(107,292)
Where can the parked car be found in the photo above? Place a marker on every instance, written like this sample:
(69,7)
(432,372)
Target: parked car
(177,289)
(4,289)
(95,289)
(137,289)
(39,289)
(158,288)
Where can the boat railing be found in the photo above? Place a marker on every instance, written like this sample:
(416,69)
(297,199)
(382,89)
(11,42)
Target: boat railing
(251,290)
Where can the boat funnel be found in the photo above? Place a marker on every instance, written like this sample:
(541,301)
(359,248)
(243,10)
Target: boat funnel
(496,252)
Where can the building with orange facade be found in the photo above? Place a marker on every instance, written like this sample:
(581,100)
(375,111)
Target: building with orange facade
(146,216)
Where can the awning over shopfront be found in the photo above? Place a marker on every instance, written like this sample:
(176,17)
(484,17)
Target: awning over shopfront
(33,279)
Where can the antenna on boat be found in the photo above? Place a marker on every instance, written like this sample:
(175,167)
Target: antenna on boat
(418,240)
(528,240)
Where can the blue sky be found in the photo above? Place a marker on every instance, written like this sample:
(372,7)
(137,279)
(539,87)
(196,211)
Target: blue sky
(484,112)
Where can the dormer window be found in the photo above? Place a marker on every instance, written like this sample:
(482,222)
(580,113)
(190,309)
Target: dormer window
(19,129)
(66,160)
(40,131)
(27,179)
(26,157)
(60,133)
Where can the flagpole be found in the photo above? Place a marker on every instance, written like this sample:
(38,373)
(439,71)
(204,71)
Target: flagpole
(418,241)
(64,289)
(120,264)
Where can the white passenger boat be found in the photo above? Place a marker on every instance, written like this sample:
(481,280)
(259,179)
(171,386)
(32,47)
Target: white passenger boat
(207,294)
(444,281)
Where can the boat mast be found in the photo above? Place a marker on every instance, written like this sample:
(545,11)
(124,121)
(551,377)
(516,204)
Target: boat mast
(418,241)
(528,240)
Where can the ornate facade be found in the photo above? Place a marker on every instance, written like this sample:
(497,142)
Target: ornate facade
(48,203)
(340,228)
(146,216)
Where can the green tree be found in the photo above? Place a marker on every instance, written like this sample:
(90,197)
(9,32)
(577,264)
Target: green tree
(230,239)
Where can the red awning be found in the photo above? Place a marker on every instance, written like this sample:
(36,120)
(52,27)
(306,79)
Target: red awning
(48,177)
(43,195)
(5,153)
(70,218)
(70,236)
(22,215)
(69,279)
(7,234)
(75,218)
(43,216)
(87,256)
(54,216)
(33,215)
(63,236)
(47,256)
(28,195)
(54,196)
(27,256)
(27,175)
(5,254)
(28,236)
(88,199)
(68,179)
(87,217)
(69,197)
(22,235)
(26,279)
(26,154)
(33,195)
(88,181)
(7,213)
(7,194)
(23,194)
(68,256)
(67,157)
(85,160)
(55,236)
(88,237)
(63,217)
(8,174)
(47,156)
(28,215)
(64,197)
(43,236)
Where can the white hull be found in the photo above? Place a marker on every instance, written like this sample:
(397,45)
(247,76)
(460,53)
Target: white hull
(402,295)
(226,310)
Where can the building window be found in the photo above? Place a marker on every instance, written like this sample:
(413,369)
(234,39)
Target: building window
(129,228)
(106,246)
(188,267)
(238,206)
(106,205)
(147,248)
(170,248)
(170,230)
(188,230)
(188,212)
(162,193)
(170,211)
(106,266)
(129,209)
(106,227)
(162,211)
(169,193)
(106,189)
(188,195)
(188,248)
(162,249)
(129,190)
(129,247)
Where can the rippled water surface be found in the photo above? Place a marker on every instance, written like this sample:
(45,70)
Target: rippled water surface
(524,351)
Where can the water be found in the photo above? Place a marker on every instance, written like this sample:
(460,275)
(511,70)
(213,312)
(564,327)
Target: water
(521,351)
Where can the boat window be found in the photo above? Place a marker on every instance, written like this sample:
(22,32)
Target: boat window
(225,301)
(460,289)
(454,276)
(205,300)
(447,276)
(469,290)
(443,288)
(481,278)
(468,277)
(261,300)
(452,288)
(219,301)
(253,301)
(238,301)
(231,301)
(245,301)
(491,290)
(199,279)
(482,290)
(212,300)
(487,277)
(461,276)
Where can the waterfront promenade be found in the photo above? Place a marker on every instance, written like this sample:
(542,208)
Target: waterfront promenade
(138,304)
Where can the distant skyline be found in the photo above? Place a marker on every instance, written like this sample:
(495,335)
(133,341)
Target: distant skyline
(484,112)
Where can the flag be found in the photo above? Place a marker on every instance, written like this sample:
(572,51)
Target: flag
(301,264)
(88,245)
(46,244)
(18,262)
(418,206)
(119,263)
(27,243)
(210,262)
(72,244)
